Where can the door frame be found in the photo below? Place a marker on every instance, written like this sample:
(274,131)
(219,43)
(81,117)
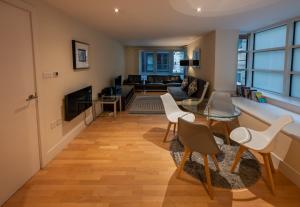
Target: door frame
(28,7)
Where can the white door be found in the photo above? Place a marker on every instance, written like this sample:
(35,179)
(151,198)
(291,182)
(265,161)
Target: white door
(19,148)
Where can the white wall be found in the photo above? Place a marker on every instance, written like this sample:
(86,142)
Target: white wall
(206,44)
(53,34)
(225,60)
(218,59)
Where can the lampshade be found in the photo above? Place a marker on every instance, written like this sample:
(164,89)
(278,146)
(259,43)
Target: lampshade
(189,62)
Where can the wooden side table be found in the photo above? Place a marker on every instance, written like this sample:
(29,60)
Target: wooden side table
(113,100)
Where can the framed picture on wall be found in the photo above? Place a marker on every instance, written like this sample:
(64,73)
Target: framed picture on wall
(196,54)
(80,51)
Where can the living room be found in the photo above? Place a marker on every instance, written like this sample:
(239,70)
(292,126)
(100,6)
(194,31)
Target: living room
(150,74)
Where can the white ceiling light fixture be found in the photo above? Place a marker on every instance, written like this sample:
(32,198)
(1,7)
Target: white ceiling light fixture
(217,8)
(116,10)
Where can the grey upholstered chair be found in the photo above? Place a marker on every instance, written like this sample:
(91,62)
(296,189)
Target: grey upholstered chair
(198,138)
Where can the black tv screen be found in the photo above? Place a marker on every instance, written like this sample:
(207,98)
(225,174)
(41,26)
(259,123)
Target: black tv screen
(77,102)
(118,81)
(118,84)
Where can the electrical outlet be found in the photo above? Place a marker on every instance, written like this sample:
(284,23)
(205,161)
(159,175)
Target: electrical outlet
(47,75)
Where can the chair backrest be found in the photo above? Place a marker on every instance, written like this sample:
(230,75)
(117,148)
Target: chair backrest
(197,137)
(276,126)
(218,95)
(204,91)
(221,102)
(169,104)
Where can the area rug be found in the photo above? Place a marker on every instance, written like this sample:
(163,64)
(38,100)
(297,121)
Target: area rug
(147,105)
(246,174)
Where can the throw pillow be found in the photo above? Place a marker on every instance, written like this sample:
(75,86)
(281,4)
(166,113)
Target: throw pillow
(150,79)
(184,83)
(192,88)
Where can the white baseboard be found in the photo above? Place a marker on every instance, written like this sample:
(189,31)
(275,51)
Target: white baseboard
(66,140)
(290,172)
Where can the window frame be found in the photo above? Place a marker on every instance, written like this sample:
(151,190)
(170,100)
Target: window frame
(156,71)
(169,58)
(288,59)
(255,51)
(247,57)
(146,54)
(293,46)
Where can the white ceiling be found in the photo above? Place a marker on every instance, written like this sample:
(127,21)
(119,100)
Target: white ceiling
(175,22)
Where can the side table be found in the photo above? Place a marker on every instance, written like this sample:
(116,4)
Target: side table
(113,100)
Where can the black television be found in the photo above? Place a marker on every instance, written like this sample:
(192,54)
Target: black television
(77,102)
(118,81)
(118,84)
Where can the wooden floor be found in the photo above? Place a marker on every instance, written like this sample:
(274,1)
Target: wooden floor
(123,162)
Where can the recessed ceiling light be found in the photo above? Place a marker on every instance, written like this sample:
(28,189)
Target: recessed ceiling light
(199,9)
(116,10)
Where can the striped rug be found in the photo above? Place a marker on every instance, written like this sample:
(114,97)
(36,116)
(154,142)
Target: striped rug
(147,105)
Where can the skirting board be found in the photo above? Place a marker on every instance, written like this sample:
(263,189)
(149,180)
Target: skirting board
(66,140)
(286,169)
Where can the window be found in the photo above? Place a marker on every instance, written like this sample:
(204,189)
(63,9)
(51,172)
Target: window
(272,61)
(242,60)
(161,62)
(295,91)
(295,72)
(178,55)
(297,33)
(149,62)
(268,81)
(272,38)
(269,59)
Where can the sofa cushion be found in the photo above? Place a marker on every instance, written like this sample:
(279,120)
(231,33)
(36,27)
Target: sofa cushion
(184,83)
(174,78)
(159,79)
(134,78)
(177,93)
(200,86)
(173,84)
(155,84)
(154,79)
(192,88)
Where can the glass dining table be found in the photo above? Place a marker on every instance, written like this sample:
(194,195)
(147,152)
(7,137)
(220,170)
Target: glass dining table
(217,110)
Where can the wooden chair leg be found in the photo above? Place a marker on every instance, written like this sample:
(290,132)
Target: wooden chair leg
(214,158)
(210,123)
(168,130)
(174,129)
(227,132)
(208,178)
(237,158)
(186,155)
(269,172)
(271,163)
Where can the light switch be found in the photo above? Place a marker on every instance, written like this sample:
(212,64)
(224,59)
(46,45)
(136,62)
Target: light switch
(47,75)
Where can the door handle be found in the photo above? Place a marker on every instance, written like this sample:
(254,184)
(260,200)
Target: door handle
(31,97)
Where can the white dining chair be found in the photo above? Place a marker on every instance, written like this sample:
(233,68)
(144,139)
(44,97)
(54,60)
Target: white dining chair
(173,112)
(260,141)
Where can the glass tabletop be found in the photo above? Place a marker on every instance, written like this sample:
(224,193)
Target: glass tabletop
(105,99)
(216,109)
